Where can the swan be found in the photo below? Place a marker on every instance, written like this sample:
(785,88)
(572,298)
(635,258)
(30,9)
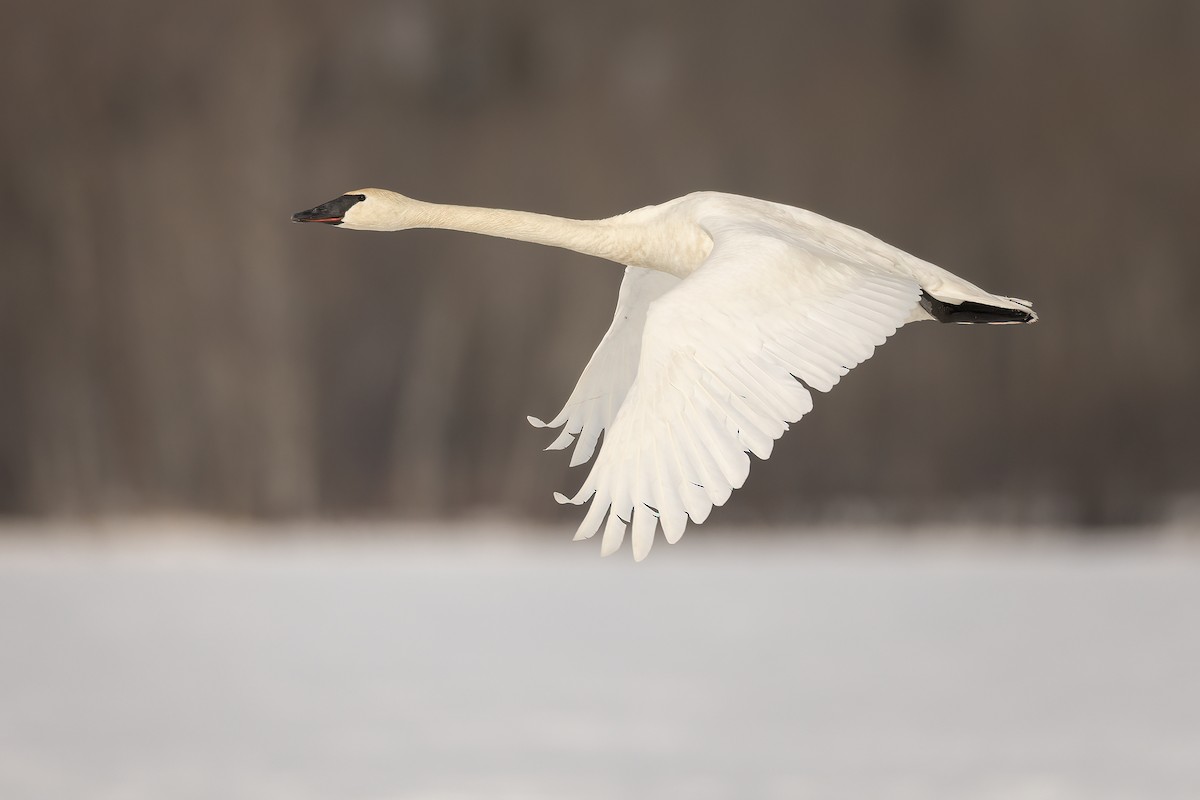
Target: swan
(732,309)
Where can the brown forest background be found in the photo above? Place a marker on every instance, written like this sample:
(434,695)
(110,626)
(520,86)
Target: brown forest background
(169,342)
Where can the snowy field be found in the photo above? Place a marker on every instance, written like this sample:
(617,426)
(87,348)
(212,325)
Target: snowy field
(476,663)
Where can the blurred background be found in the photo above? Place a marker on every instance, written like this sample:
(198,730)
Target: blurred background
(169,343)
(908,600)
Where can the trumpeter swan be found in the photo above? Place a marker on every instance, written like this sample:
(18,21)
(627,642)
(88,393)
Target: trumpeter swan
(731,310)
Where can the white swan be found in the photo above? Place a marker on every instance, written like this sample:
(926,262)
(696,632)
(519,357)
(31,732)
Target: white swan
(731,309)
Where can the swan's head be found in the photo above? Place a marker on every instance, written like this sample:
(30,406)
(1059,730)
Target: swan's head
(364,210)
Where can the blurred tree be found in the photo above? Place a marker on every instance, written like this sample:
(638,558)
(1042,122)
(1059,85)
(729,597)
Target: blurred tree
(167,342)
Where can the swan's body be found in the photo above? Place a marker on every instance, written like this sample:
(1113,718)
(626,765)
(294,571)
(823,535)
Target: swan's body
(730,310)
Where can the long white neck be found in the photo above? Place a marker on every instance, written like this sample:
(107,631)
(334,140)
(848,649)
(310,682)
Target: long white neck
(653,237)
(601,238)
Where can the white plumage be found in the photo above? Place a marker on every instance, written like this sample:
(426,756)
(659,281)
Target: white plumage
(731,310)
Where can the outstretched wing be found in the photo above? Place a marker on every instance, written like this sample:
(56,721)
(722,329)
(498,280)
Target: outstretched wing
(717,374)
(606,380)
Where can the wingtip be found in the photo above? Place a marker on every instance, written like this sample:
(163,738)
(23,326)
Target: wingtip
(562,442)
(580,456)
(614,534)
(673,527)
(640,551)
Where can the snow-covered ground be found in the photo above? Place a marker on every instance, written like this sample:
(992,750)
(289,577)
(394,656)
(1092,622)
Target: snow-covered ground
(471,662)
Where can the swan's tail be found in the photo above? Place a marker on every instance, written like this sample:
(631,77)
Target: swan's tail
(1012,312)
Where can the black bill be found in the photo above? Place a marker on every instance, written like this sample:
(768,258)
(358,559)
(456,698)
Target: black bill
(330,213)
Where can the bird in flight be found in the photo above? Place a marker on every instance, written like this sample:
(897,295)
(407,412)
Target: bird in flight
(731,311)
